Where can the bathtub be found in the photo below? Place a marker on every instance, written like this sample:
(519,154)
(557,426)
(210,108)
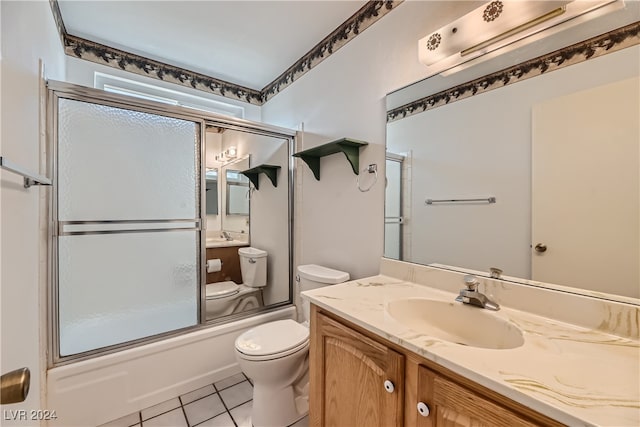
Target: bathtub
(98,390)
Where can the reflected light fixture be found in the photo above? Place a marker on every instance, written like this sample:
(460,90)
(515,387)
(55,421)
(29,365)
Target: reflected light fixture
(228,154)
(496,25)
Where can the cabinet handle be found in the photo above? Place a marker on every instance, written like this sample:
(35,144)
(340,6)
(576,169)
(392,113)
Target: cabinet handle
(388,385)
(423,409)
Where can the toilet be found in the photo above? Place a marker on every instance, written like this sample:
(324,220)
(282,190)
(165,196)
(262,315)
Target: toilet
(224,298)
(275,357)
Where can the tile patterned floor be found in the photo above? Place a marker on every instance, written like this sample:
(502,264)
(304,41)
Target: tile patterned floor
(226,403)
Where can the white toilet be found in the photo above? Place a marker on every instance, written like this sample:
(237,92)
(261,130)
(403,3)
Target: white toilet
(275,357)
(228,297)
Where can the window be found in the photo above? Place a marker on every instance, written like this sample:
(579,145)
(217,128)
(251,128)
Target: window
(149,92)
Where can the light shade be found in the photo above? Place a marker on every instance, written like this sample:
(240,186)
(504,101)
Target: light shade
(494,25)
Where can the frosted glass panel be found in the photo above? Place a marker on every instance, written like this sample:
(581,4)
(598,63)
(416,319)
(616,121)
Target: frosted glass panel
(118,164)
(393,189)
(120,287)
(392,241)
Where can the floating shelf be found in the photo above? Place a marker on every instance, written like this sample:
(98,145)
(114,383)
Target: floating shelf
(270,171)
(350,148)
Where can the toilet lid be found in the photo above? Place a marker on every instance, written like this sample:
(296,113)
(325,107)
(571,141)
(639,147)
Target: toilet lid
(221,289)
(272,338)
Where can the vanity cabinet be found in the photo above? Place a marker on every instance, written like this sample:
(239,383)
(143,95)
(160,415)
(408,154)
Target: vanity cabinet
(355,381)
(359,379)
(444,403)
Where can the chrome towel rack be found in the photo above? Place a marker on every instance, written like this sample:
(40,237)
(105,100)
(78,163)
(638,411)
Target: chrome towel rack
(487,199)
(29,178)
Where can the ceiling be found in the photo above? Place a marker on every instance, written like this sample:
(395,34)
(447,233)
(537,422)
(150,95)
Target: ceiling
(247,43)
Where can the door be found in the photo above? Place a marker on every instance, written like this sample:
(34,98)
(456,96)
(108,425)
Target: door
(393,220)
(355,381)
(585,189)
(444,403)
(126,216)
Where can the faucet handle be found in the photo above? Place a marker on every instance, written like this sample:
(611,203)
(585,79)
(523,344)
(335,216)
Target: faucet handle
(471,282)
(495,272)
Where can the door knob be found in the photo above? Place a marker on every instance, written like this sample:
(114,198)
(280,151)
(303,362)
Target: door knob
(388,385)
(541,247)
(423,409)
(14,386)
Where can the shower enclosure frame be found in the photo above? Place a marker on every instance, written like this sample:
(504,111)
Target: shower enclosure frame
(57,90)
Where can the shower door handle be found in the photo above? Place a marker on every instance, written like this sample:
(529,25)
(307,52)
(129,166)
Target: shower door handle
(14,386)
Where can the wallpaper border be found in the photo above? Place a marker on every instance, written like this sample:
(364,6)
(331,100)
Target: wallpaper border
(594,47)
(99,53)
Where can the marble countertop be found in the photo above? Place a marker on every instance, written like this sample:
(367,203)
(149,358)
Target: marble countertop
(223,243)
(576,375)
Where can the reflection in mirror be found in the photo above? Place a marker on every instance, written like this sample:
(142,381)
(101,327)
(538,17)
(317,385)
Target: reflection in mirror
(211,178)
(559,152)
(237,193)
(236,217)
(247,245)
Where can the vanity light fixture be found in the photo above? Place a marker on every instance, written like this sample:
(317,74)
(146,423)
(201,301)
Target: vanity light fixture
(500,23)
(228,154)
(231,153)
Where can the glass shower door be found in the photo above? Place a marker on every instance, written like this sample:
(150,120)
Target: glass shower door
(128,220)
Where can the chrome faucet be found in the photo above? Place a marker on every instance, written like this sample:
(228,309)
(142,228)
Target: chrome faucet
(226,235)
(473,297)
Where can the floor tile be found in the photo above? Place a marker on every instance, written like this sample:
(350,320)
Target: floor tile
(197,394)
(203,409)
(127,421)
(222,420)
(173,418)
(237,395)
(160,408)
(232,380)
(242,414)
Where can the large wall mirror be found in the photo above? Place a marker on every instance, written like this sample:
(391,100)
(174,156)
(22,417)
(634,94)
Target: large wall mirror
(241,219)
(539,178)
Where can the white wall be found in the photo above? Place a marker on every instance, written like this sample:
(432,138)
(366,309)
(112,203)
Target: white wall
(269,214)
(481,146)
(82,72)
(269,225)
(344,96)
(28,34)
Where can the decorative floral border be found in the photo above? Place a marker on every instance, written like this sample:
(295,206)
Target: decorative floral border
(115,58)
(371,12)
(592,48)
(81,48)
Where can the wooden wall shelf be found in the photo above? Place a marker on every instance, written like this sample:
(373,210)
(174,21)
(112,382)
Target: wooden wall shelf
(270,171)
(350,148)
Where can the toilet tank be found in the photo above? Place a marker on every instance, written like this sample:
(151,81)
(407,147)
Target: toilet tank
(253,267)
(313,276)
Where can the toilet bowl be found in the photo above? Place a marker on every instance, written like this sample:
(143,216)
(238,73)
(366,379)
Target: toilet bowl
(275,357)
(224,298)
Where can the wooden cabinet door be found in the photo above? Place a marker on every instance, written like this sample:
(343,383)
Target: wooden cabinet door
(451,405)
(348,374)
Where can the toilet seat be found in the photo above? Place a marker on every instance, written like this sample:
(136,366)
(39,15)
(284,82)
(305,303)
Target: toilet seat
(273,340)
(221,290)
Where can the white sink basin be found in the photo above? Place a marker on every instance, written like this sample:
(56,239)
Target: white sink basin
(456,322)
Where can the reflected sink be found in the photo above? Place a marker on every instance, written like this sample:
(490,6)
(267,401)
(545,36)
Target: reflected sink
(216,240)
(456,322)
